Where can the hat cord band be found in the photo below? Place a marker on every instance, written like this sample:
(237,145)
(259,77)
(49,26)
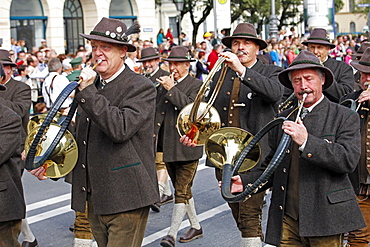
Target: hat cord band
(244,34)
(118,38)
(149,56)
(179,57)
(313,38)
(304,62)
(6,60)
(364,63)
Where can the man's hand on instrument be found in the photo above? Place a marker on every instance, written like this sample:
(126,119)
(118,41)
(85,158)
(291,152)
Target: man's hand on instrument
(297,131)
(167,82)
(87,76)
(364,96)
(39,173)
(233,62)
(187,141)
(236,184)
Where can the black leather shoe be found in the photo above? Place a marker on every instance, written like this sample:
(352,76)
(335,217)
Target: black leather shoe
(155,207)
(166,199)
(168,241)
(28,244)
(191,234)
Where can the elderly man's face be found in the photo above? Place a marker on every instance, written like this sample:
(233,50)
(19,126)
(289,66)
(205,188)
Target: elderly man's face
(321,51)
(179,69)
(307,81)
(112,56)
(151,65)
(365,77)
(248,47)
(8,73)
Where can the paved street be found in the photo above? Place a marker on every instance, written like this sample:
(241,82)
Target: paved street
(49,213)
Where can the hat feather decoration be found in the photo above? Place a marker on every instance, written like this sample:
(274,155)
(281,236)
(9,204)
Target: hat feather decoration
(135,28)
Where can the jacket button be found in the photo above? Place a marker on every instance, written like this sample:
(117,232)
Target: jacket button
(230,122)
(222,124)
(281,207)
(162,112)
(158,124)
(282,188)
(248,78)
(83,100)
(228,93)
(154,135)
(83,166)
(362,116)
(287,151)
(166,101)
(231,114)
(83,189)
(309,155)
(233,101)
(87,119)
(232,78)
(284,170)
(225,109)
(170,94)
(84,142)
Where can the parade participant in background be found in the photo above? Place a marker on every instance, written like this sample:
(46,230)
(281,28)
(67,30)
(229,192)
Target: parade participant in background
(319,44)
(175,92)
(361,177)
(150,60)
(76,64)
(313,202)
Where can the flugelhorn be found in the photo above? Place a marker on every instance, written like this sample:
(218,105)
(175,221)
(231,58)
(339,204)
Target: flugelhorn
(198,120)
(52,145)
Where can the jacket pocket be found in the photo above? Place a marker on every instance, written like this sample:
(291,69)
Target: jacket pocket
(343,195)
(3,185)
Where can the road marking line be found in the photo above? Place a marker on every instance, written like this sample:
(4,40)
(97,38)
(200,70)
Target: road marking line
(48,202)
(203,216)
(49,214)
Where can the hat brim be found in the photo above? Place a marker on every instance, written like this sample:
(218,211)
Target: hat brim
(227,41)
(317,41)
(284,75)
(8,63)
(131,48)
(360,67)
(148,58)
(178,60)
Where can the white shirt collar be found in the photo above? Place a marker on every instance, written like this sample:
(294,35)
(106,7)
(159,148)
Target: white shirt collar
(115,75)
(317,102)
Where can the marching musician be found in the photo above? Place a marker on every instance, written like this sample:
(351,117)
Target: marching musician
(361,177)
(247,100)
(150,60)
(115,172)
(12,205)
(319,44)
(175,92)
(312,203)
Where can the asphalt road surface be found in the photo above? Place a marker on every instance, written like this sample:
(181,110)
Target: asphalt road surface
(49,213)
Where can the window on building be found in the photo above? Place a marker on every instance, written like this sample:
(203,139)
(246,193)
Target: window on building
(27,22)
(351,5)
(73,25)
(122,10)
(352,27)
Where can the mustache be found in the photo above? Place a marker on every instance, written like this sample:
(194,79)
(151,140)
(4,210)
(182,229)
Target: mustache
(305,91)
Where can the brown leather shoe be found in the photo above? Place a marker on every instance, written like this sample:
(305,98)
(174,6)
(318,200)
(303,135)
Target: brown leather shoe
(191,234)
(29,244)
(166,199)
(168,241)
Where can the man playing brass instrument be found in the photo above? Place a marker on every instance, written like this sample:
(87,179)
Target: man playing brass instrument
(150,60)
(174,93)
(361,177)
(312,203)
(247,100)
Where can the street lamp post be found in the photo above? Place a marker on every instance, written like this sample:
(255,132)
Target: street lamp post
(273,22)
(179,7)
